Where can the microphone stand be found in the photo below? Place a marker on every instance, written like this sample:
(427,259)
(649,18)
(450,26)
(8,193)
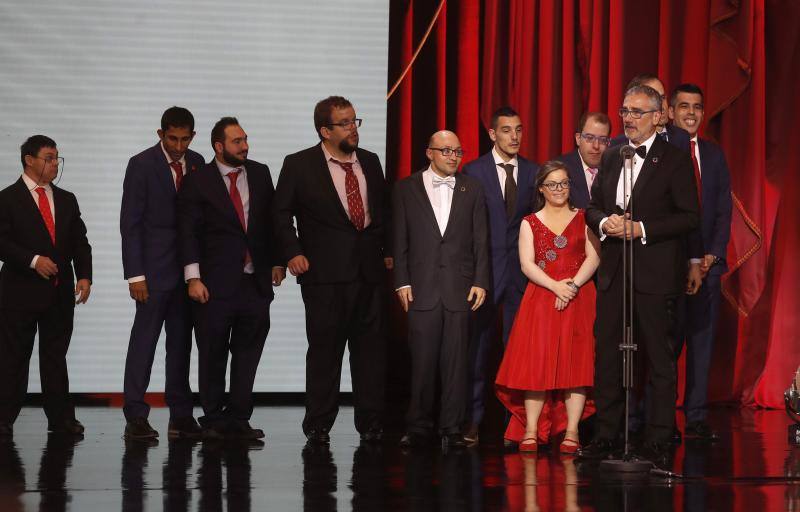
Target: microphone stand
(627,464)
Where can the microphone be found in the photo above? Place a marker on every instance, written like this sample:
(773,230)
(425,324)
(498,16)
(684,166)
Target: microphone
(626,152)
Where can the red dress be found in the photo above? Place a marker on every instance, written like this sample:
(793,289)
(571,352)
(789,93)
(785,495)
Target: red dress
(549,349)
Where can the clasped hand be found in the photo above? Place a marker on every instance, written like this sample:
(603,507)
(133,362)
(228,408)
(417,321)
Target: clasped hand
(563,292)
(620,226)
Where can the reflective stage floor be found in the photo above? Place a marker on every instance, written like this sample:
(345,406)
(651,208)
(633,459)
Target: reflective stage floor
(752,468)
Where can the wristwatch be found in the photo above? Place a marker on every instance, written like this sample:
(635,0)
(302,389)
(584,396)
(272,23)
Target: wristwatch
(573,286)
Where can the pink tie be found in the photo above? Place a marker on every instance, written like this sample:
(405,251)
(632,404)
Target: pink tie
(593,172)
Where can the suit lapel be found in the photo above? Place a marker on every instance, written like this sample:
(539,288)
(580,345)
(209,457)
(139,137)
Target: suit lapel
(219,192)
(33,210)
(254,189)
(163,170)
(490,168)
(523,178)
(324,177)
(61,215)
(457,204)
(418,190)
(610,185)
(649,166)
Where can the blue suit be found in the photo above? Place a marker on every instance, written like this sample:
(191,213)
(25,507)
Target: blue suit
(578,190)
(148,225)
(701,310)
(508,281)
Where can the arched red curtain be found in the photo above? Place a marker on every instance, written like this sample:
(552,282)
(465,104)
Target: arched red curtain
(554,59)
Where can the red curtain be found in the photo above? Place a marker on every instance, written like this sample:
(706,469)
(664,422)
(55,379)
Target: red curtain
(554,59)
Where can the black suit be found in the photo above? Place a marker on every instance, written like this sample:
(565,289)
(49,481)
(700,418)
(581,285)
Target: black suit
(236,317)
(440,269)
(342,287)
(28,302)
(665,201)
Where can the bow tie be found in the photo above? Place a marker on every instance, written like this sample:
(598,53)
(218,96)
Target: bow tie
(641,151)
(450,181)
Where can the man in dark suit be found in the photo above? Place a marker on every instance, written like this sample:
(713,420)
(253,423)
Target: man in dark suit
(149,229)
(591,141)
(42,237)
(665,210)
(442,273)
(675,135)
(507,179)
(230,266)
(337,193)
(701,310)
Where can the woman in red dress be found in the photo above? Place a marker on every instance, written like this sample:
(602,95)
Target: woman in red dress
(551,345)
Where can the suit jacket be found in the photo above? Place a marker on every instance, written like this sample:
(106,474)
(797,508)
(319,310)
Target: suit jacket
(23,235)
(578,190)
(665,200)
(440,268)
(678,137)
(717,203)
(148,220)
(504,232)
(210,232)
(337,252)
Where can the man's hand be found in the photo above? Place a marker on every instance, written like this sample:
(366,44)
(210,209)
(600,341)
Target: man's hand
(478,294)
(563,291)
(406,297)
(82,290)
(613,225)
(623,227)
(707,263)
(298,265)
(694,279)
(45,267)
(138,291)
(278,275)
(388,263)
(198,291)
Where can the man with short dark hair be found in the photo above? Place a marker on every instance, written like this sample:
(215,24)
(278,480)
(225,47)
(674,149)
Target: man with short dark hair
(701,310)
(42,237)
(338,196)
(149,229)
(591,141)
(507,179)
(230,266)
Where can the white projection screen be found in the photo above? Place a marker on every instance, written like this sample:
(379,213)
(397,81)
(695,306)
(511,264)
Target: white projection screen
(96,75)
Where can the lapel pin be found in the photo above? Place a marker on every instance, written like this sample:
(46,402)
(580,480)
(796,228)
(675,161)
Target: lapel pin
(463,189)
(655,159)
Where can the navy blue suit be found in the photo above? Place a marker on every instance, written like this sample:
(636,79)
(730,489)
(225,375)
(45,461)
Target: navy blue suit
(508,281)
(578,190)
(702,309)
(149,229)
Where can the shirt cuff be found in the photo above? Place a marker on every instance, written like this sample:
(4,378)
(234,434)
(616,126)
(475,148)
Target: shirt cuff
(33,262)
(191,271)
(695,260)
(644,233)
(136,279)
(600,228)
(406,286)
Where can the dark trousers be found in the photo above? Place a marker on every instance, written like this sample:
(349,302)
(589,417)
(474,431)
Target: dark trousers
(654,329)
(337,315)
(17,333)
(699,314)
(486,321)
(438,340)
(171,310)
(237,324)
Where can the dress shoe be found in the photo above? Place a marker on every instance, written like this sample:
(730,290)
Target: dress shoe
(700,431)
(450,441)
(6,429)
(509,446)
(318,436)
(570,445)
(373,435)
(597,450)
(184,428)
(472,435)
(243,430)
(659,453)
(415,440)
(69,426)
(139,428)
(212,433)
(529,445)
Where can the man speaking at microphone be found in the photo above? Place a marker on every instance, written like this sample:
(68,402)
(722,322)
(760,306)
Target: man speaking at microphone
(664,210)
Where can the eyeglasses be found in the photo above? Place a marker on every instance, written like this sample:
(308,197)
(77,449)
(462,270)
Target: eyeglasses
(347,124)
(450,151)
(635,113)
(552,186)
(603,141)
(49,160)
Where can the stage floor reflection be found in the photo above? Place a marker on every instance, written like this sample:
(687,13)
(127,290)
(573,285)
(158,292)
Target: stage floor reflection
(752,468)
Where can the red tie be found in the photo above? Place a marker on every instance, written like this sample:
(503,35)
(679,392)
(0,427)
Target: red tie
(696,173)
(178,168)
(236,199)
(354,203)
(47,215)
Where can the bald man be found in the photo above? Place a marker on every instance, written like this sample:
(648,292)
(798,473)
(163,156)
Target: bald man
(441,276)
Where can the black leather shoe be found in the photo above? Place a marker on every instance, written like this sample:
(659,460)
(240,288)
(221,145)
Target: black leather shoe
(450,441)
(596,450)
(414,440)
(139,428)
(472,435)
(701,431)
(184,428)
(373,435)
(6,429)
(69,426)
(318,436)
(244,431)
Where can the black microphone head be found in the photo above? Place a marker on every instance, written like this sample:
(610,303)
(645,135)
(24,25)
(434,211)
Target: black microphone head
(626,151)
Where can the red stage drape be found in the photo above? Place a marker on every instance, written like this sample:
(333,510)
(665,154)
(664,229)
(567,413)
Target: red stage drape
(553,60)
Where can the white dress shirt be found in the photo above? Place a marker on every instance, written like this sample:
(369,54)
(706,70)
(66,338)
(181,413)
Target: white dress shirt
(48,191)
(501,172)
(440,196)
